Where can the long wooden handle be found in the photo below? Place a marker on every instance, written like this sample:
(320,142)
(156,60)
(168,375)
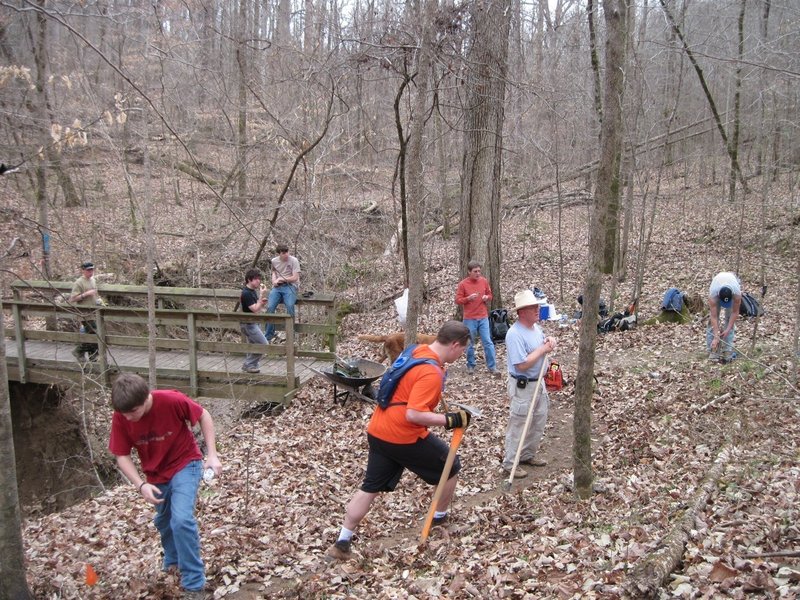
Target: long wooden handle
(527,421)
(458,434)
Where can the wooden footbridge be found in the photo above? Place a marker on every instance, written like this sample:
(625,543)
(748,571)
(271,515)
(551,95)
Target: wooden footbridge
(198,347)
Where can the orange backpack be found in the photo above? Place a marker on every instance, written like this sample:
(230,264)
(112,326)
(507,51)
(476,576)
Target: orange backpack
(554,380)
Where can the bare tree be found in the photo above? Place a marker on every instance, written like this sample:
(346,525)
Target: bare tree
(13,584)
(483,140)
(416,186)
(607,192)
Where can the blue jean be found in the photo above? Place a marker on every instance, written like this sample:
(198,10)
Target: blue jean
(252,332)
(175,521)
(480,327)
(725,348)
(286,294)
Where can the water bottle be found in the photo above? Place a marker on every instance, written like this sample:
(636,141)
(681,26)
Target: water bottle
(208,475)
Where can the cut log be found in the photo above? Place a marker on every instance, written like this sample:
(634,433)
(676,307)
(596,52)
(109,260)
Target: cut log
(652,571)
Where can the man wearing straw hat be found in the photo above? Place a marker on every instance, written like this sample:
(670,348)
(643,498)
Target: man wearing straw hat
(526,349)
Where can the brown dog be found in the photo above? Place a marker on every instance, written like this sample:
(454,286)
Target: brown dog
(394,343)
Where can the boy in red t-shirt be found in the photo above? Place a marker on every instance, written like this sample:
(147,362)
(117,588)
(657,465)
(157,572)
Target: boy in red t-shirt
(155,423)
(473,294)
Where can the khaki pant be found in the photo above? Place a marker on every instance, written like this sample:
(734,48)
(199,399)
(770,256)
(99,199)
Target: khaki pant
(520,402)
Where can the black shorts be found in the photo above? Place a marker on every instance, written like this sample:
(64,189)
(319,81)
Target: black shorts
(386,462)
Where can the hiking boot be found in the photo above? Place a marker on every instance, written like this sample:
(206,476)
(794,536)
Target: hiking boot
(251,369)
(340,550)
(534,462)
(494,372)
(470,370)
(518,474)
(439,520)
(78,354)
(196,595)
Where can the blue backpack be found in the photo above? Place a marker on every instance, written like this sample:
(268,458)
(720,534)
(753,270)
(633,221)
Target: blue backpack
(673,300)
(395,373)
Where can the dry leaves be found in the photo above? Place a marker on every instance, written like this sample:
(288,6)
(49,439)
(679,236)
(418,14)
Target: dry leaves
(661,412)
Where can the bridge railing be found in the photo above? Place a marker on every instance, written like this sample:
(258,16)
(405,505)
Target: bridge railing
(194,330)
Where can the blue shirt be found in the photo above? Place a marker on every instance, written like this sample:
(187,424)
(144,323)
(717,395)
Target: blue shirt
(521,341)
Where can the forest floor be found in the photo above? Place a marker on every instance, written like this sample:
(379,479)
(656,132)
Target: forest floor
(662,416)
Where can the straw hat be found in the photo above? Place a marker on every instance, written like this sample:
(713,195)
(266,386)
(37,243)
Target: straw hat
(526,298)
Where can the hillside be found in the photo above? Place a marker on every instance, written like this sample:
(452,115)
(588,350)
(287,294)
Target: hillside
(663,418)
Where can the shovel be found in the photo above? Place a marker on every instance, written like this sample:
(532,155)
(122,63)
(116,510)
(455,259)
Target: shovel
(506,485)
(455,442)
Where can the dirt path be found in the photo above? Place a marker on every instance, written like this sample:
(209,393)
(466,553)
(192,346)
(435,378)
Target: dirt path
(556,449)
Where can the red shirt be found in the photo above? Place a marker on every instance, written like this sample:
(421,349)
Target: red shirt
(474,309)
(421,387)
(163,440)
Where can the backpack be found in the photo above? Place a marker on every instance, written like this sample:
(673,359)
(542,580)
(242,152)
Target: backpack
(621,321)
(750,307)
(395,373)
(498,324)
(673,300)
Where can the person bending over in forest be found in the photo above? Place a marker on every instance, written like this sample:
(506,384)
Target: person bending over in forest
(724,299)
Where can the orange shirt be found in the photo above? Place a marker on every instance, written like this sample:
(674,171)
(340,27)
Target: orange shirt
(474,309)
(421,387)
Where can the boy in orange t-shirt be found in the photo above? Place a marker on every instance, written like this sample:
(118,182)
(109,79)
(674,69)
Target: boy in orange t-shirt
(399,438)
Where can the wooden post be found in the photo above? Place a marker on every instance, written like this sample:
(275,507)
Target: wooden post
(102,345)
(162,329)
(19,333)
(192,326)
(330,313)
(290,354)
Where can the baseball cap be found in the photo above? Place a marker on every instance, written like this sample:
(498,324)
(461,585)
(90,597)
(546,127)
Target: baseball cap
(726,296)
(87,265)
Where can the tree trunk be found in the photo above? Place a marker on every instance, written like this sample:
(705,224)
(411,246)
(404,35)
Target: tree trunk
(13,584)
(606,192)
(480,226)
(241,141)
(737,101)
(416,187)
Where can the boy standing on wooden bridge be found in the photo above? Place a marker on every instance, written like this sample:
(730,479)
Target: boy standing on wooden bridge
(252,300)
(84,293)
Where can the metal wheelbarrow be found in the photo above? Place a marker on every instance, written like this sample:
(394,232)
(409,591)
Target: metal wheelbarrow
(355,376)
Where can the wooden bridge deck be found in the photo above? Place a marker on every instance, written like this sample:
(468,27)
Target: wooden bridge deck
(218,375)
(198,350)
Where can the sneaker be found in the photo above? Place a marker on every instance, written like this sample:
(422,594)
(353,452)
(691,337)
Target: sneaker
(439,520)
(494,372)
(251,369)
(196,595)
(78,354)
(534,462)
(470,371)
(518,474)
(340,550)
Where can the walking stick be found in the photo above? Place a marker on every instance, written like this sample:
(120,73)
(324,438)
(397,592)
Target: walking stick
(507,484)
(458,434)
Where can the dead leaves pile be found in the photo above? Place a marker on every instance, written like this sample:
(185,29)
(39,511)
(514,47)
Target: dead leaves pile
(661,414)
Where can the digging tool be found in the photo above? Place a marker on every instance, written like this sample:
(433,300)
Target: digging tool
(539,382)
(455,442)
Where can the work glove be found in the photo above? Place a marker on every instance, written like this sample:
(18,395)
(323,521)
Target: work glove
(454,420)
